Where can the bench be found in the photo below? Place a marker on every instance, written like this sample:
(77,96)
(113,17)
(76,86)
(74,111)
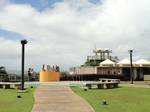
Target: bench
(8,85)
(104,83)
(109,80)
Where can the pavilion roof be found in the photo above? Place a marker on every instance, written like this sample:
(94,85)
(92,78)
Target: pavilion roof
(143,62)
(107,62)
(124,62)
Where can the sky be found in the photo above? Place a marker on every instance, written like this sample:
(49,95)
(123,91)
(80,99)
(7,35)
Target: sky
(64,32)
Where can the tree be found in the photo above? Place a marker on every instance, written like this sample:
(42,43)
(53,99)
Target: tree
(3,70)
(64,73)
(3,74)
(92,63)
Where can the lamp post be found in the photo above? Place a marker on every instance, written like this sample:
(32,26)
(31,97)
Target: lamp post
(23,42)
(131,66)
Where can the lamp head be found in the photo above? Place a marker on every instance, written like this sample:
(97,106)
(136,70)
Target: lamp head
(24,41)
(130,51)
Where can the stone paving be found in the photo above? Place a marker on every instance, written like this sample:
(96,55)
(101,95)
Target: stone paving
(58,98)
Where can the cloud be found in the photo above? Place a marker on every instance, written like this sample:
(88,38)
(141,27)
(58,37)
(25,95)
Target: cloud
(4,2)
(67,32)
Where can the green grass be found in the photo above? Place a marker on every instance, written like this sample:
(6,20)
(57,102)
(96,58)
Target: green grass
(10,103)
(124,99)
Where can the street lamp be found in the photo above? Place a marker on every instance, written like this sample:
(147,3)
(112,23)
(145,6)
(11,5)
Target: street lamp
(131,66)
(23,42)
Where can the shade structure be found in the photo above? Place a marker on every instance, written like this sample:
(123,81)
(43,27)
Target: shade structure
(107,62)
(124,62)
(142,62)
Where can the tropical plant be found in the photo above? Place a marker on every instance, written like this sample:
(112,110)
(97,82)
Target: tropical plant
(64,73)
(3,70)
(3,74)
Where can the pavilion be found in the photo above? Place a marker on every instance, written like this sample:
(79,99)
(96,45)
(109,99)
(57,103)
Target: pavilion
(103,65)
(111,69)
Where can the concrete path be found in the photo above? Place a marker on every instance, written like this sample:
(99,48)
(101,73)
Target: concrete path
(58,98)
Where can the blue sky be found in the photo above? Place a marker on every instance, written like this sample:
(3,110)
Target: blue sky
(38,4)
(10,35)
(42,4)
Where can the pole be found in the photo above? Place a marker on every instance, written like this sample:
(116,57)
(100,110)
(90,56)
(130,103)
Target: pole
(22,68)
(131,67)
(23,42)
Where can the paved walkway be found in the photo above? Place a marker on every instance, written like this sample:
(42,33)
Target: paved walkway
(58,98)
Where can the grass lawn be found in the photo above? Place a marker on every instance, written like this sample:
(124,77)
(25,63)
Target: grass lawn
(10,103)
(123,99)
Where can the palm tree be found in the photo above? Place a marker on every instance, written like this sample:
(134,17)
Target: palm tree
(3,74)
(3,70)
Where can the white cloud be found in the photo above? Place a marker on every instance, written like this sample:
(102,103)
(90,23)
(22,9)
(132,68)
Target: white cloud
(4,2)
(66,33)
